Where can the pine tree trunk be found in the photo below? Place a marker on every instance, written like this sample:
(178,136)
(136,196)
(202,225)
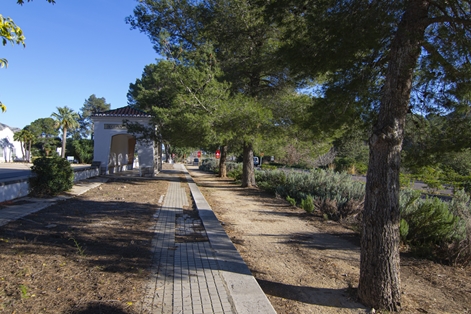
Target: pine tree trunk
(248,175)
(379,285)
(222,162)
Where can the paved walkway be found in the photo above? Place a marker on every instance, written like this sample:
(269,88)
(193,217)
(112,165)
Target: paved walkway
(185,276)
(202,274)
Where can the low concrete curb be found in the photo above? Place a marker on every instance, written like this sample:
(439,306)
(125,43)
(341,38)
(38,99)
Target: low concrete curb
(31,205)
(245,291)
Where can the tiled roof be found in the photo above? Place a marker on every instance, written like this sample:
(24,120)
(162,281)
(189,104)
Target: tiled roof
(127,111)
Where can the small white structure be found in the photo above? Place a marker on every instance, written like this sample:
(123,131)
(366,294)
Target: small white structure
(10,150)
(116,149)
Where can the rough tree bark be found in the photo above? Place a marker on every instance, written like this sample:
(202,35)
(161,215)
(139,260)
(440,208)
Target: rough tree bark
(222,162)
(248,175)
(379,285)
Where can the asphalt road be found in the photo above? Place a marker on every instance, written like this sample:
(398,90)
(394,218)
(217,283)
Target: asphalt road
(15,170)
(12,170)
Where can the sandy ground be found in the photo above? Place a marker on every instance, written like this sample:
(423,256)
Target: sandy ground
(308,265)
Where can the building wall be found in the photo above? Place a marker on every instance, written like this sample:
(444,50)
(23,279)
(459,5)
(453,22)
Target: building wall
(10,150)
(111,144)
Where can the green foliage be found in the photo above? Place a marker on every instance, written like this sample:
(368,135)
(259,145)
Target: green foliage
(91,106)
(436,228)
(235,171)
(431,223)
(80,249)
(52,176)
(352,150)
(45,132)
(10,32)
(403,229)
(291,200)
(210,165)
(334,193)
(344,164)
(405,180)
(430,176)
(268,167)
(23,291)
(66,119)
(308,204)
(82,150)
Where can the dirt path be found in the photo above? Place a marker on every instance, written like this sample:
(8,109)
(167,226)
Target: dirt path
(308,265)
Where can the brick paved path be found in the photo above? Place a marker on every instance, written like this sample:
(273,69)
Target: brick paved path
(185,275)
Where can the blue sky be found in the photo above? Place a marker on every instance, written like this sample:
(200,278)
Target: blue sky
(74,48)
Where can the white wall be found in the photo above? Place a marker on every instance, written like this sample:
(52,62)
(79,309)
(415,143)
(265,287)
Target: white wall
(8,147)
(113,154)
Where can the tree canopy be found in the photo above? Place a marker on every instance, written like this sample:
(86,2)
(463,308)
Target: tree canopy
(233,34)
(91,106)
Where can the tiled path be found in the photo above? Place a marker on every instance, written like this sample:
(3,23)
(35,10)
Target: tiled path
(185,275)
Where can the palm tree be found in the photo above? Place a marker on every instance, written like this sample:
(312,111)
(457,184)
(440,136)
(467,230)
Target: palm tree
(18,136)
(66,119)
(25,136)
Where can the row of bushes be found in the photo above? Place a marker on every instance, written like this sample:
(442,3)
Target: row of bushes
(212,165)
(430,227)
(334,194)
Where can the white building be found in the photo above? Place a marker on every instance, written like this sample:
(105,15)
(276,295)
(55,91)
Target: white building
(10,150)
(116,149)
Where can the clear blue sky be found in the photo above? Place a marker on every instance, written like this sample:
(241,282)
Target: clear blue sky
(74,48)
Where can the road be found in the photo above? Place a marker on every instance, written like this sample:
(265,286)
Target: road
(15,170)
(12,170)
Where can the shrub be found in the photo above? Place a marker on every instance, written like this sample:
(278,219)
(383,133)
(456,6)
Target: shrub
(433,227)
(232,165)
(403,229)
(461,250)
(209,164)
(291,200)
(53,175)
(235,172)
(268,167)
(212,165)
(308,204)
(431,223)
(270,180)
(361,168)
(405,180)
(329,190)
